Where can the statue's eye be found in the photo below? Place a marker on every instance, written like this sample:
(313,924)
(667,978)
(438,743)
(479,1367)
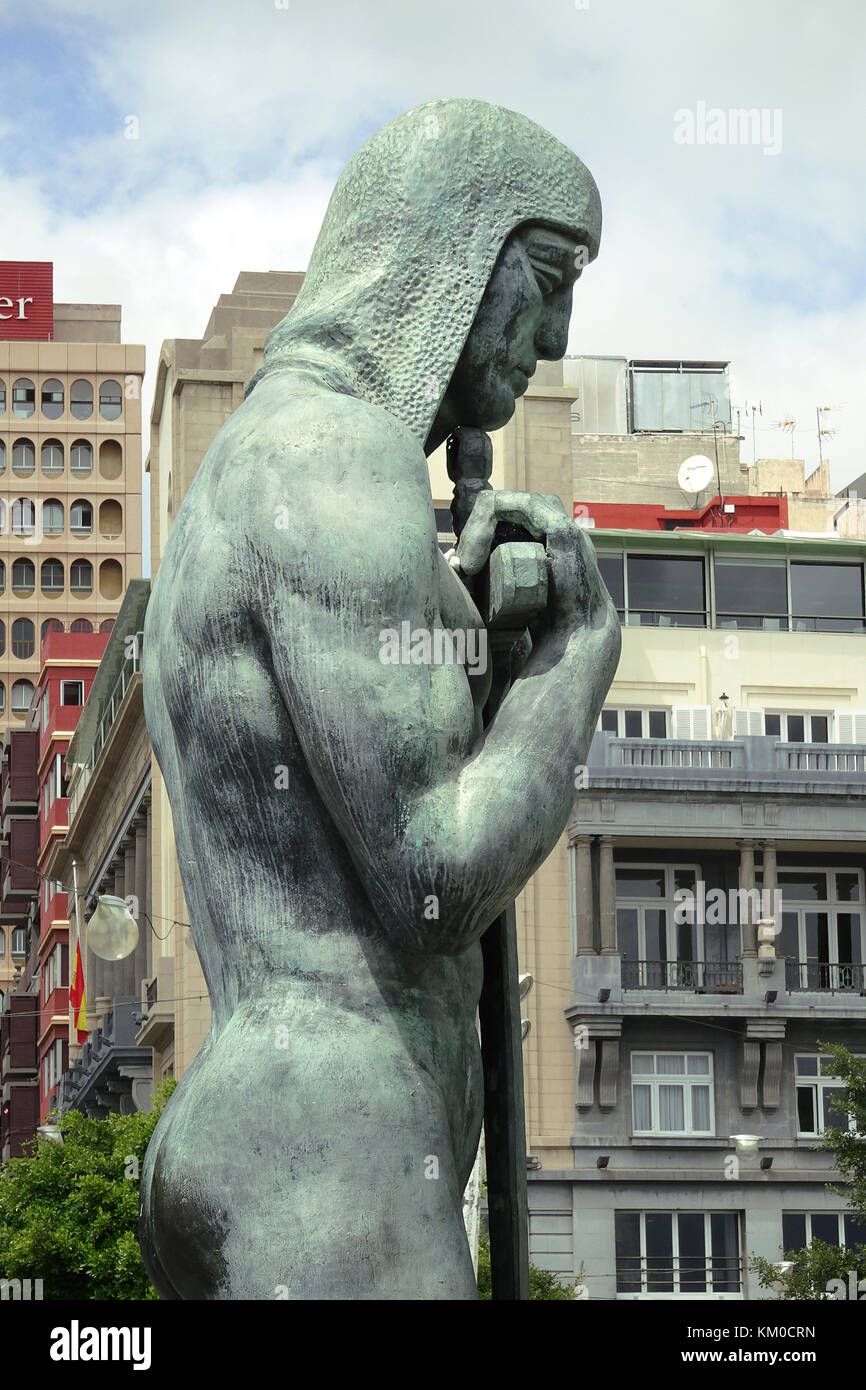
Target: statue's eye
(546,278)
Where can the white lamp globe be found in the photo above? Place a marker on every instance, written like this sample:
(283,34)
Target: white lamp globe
(112,932)
(747,1144)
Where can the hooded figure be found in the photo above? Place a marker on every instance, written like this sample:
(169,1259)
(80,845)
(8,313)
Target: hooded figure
(345,829)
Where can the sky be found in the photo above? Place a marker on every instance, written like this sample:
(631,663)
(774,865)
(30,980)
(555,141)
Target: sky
(718,243)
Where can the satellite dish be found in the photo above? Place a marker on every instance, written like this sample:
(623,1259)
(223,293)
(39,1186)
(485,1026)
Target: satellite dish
(696,473)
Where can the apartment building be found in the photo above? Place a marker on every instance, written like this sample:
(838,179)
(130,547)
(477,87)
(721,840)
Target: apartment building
(70,472)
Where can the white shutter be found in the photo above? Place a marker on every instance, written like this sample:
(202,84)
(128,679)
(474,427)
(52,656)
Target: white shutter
(748,722)
(691,721)
(849,726)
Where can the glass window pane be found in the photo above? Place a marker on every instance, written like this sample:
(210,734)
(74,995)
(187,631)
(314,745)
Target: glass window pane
(848,888)
(855,1231)
(825,1227)
(671,1108)
(746,587)
(640,883)
(642,1064)
(701,1108)
(848,937)
(820,728)
(698,1065)
(659,1252)
(655,931)
(806,1066)
(685,878)
(826,590)
(610,721)
(796,728)
(803,887)
(726,1252)
(674,583)
(626,933)
(610,569)
(793,1231)
(773,724)
(671,1064)
(692,1246)
(806,1109)
(658,724)
(633,723)
(643,1110)
(830,1116)
(627,1228)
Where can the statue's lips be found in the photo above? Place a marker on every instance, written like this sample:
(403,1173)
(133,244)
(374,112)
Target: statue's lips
(520,379)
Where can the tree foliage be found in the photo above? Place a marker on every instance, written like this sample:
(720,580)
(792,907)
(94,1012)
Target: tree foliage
(814,1267)
(542,1283)
(69,1212)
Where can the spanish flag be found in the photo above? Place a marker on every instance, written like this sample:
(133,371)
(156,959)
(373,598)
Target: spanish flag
(78,996)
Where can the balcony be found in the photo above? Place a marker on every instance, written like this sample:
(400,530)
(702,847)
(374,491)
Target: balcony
(824,977)
(113,1075)
(158,1006)
(698,977)
(837,768)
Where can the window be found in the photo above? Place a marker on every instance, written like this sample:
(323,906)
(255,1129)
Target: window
(81,457)
(52,517)
(52,576)
(51,625)
(52,457)
(19,941)
(23,517)
(55,1059)
(798,728)
(667,590)
(22,694)
(56,969)
(2,397)
(52,399)
(23,457)
(2,579)
(23,398)
(106,625)
(55,784)
(81,625)
(81,400)
(81,577)
(635,723)
(672,1093)
(81,518)
(800,1228)
(23,575)
(687,1252)
(2,637)
(821,937)
(2,697)
(610,569)
(72,692)
(658,951)
(815,1087)
(2,456)
(826,597)
(110,400)
(23,638)
(751,593)
(44,707)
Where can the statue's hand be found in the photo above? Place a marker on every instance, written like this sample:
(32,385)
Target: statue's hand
(577,594)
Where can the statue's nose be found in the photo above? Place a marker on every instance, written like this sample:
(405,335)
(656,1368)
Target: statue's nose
(551,340)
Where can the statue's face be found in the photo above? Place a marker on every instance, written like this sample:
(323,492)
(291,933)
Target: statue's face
(523,316)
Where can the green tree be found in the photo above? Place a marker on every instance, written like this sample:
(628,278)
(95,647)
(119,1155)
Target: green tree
(69,1212)
(542,1283)
(815,1267)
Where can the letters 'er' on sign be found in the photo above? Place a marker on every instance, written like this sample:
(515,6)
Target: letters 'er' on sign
(27,300)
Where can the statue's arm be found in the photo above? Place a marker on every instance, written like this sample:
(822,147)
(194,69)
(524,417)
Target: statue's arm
(423,819)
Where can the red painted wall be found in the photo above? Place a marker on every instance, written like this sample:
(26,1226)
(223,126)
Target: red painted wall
(767,514)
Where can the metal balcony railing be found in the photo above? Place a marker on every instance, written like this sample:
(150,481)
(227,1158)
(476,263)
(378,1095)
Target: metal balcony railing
(824,977)
(698,976)
(686,1274)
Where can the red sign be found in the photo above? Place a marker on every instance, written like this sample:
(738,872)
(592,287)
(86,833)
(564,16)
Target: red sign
(27,300)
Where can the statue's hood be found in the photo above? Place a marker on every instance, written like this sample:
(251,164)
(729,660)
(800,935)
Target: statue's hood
(411,235)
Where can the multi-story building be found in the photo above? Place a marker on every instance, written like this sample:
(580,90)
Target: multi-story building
(69,664)
(19,787)
(70,472)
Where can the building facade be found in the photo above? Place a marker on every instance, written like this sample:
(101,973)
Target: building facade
(70,473)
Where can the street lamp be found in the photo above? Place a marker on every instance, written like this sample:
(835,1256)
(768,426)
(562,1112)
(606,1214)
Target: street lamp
(112,932)
(747,1144)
